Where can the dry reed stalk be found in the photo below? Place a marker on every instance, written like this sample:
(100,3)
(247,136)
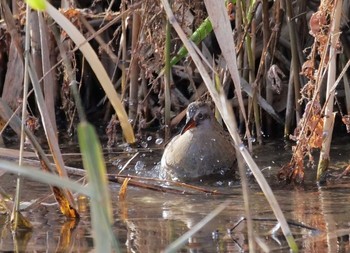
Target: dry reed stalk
(267,35)
(65,196)
(329,116)
(225,41)
(35,45)
(66,4)
(240,53)
(289,106)
(134,70)
(167,80)
(347,90)
(250,44)
(250,49)
(13,84)
(239,27)
(295,58)
(49,76)
(18,221)
(123,46)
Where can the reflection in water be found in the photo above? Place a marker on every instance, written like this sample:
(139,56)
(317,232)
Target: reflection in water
(148,221)
(51,233)
(171,216)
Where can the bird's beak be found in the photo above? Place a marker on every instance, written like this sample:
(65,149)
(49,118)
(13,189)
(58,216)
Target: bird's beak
(189,124)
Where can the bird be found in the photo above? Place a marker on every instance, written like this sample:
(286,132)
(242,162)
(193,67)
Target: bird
(201,150)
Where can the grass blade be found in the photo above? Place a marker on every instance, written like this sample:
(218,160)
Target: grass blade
(101,208)
(45,177)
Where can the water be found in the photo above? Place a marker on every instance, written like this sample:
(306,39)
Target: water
(148,221)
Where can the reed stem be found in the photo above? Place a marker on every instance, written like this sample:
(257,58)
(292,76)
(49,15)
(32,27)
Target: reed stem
(134,67)
(329,115)
(16,207)
(295,57)
(167,80)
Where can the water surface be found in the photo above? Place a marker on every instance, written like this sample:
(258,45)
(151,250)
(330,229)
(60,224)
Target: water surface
(148,221)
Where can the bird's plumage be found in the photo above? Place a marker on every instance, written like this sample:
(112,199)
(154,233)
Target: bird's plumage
(201,149)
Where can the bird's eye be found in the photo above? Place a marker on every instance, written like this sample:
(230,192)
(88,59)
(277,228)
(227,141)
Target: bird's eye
(200,116)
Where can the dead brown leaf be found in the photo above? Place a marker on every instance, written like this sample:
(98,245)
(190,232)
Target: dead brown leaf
(123,188)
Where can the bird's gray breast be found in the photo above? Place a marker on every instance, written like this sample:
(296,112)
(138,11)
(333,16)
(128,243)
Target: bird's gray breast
(197,153)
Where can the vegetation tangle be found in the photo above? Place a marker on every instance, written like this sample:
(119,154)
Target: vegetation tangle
(272,68)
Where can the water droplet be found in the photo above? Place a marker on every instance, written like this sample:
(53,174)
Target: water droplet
(139,166)
(144,144)
(116,162)
(324,134)
(159,141)
(201,157)
(215,235)
(120,166)
(213,139)
(149,138)
(123,145)
(241,147)
(166,214)
(217,161)
(219,183)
